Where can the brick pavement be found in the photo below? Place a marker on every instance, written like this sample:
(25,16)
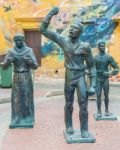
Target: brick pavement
(48,131)
(5,93)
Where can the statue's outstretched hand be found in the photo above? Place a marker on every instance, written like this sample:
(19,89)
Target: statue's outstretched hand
(91,91)
(54,11)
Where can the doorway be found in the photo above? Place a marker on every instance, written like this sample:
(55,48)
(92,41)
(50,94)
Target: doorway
(33,40)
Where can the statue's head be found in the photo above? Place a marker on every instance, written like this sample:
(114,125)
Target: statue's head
(101,45)
(75,29)
(19,40)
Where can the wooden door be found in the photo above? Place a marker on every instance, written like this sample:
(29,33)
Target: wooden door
(33,40)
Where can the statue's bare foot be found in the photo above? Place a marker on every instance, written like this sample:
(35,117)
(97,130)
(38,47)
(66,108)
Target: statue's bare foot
(99,114)
(16,120)
(107,113)
(70,130)
(84,134)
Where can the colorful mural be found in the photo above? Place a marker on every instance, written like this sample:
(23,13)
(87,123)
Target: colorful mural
(96,16)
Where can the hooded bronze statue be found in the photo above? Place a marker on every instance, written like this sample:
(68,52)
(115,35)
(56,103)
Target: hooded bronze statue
(22,101)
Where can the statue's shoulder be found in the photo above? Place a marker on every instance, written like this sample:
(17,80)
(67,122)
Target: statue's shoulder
(67,40)
(28,49)
(86,46)
(10,50)
(109,56)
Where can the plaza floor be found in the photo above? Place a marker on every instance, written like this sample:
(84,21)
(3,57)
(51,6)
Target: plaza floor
(47,133)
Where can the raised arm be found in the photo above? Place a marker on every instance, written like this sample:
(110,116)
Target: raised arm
(51,34)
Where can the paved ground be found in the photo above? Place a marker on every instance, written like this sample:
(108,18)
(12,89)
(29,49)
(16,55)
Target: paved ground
(48,131)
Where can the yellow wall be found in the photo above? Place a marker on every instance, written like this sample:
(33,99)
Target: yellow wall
(114,48)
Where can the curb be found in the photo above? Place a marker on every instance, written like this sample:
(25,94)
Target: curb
(54,93)
(5,100)
(115,84)
(57,93)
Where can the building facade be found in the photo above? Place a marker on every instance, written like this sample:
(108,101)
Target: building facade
(25,16)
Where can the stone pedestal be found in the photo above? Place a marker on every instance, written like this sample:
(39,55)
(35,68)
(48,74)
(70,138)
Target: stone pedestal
(76,138)
(103,117)
(13,126)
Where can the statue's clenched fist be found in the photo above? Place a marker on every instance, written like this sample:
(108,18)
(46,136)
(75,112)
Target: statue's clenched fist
(54,11)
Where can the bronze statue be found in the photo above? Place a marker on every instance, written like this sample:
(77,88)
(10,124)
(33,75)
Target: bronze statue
(22,101)
(75,52)
(103,61)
